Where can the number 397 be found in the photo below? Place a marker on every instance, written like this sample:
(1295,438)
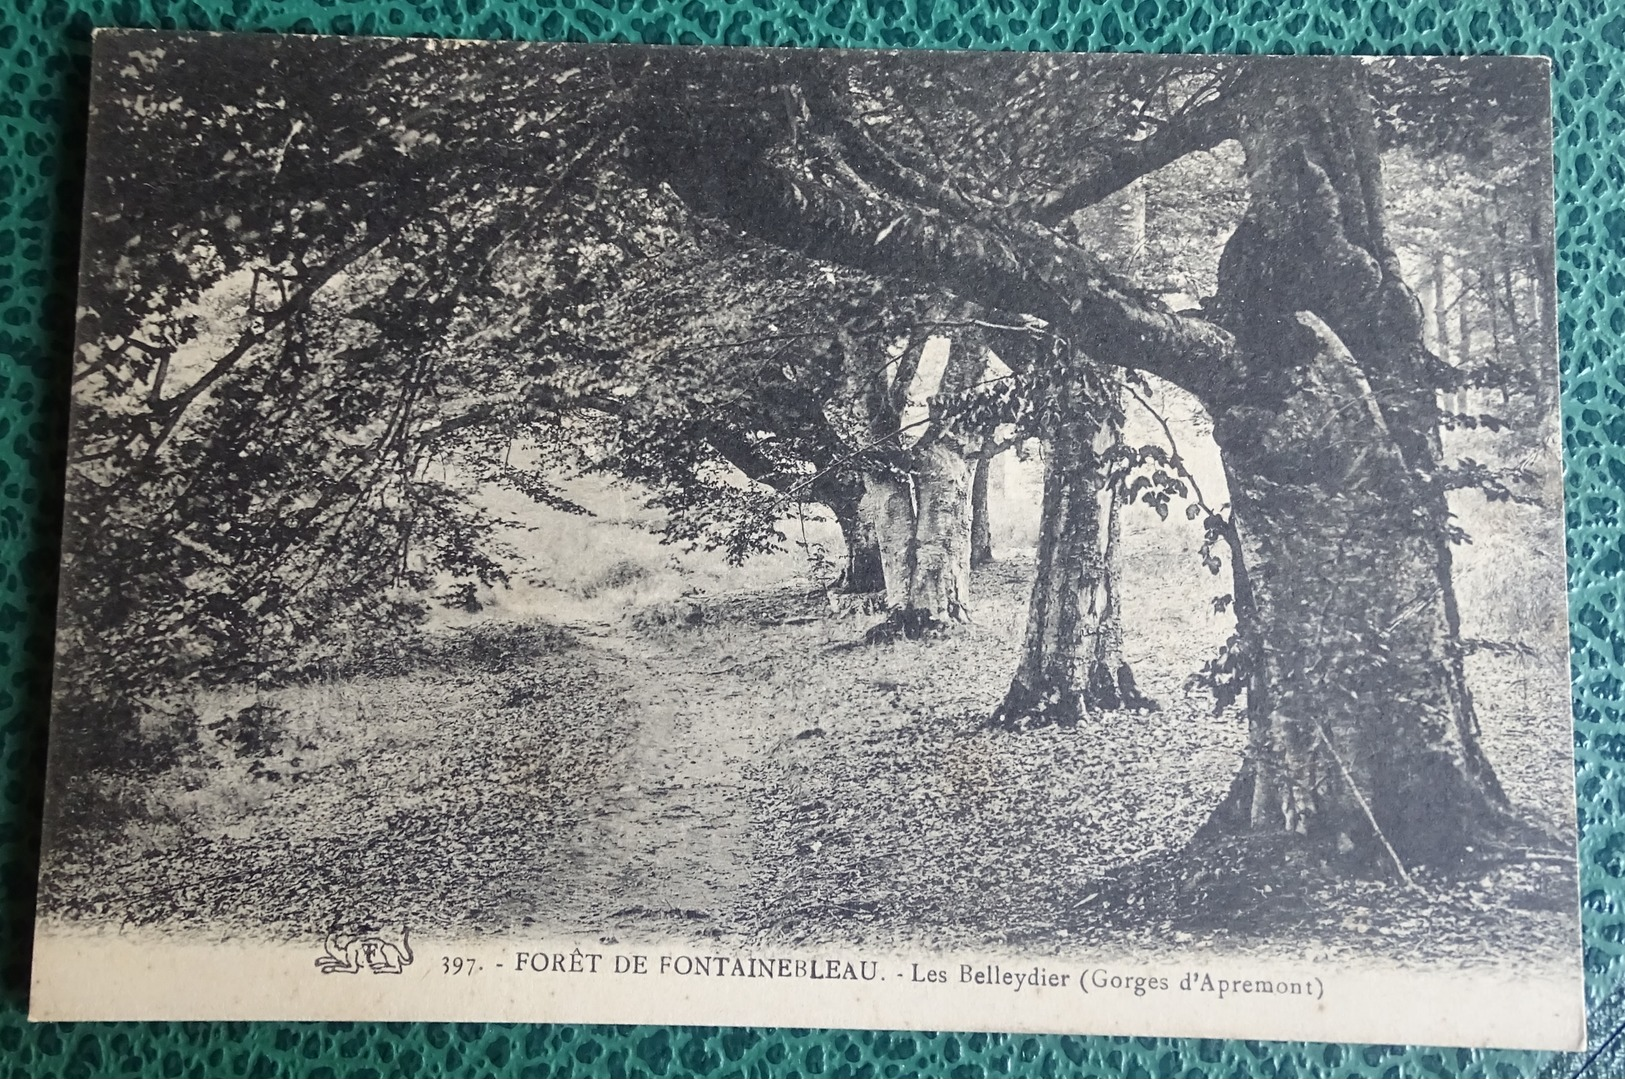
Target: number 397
(456,964)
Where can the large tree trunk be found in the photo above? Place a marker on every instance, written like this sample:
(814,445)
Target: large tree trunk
(1063,617)
(1364,736)
(1072,654)
(1103,692)
(920,510)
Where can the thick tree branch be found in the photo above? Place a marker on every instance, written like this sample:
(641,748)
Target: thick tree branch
(1209,120)
(1010,264)
(738,450)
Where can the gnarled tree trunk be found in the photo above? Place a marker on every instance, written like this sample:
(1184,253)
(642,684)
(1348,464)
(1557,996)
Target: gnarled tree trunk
(888,511)
(919,509)
(864,571)
(1364,738)
(1072,659)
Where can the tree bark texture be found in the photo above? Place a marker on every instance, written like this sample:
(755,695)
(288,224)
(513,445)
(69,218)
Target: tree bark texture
(918,507)
(770,185)
(981,528)
(1112,685)
(888,511)
(864,570)
(1364,735)
(940,584)
(1061,643)
(922,521)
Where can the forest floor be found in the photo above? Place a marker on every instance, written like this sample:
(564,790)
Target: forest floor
(738,767)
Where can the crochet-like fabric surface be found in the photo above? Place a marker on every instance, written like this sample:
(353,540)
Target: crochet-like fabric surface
(43,49)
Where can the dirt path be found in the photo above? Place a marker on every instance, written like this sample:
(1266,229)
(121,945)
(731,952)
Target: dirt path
(669,845)
(761,781)
(742,774)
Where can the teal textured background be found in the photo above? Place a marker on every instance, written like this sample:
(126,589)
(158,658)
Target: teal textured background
(43,52)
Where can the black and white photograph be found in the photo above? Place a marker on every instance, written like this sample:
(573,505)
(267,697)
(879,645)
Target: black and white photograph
(813,537)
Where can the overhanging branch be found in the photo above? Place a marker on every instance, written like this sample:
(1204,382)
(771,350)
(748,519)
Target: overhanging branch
(1011,265)
(1207,120)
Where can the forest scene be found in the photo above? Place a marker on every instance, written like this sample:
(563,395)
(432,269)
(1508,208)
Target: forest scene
(874,498)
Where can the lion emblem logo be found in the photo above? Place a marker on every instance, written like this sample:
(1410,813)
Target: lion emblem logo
(365,948)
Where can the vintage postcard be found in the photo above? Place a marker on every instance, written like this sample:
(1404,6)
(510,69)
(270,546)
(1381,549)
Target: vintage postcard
(882,539)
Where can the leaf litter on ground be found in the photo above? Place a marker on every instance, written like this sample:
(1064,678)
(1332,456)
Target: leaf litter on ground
(735,769)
